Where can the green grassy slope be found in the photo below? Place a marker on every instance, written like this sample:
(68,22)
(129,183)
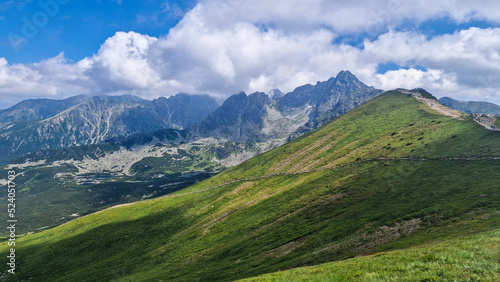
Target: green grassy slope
(472,258)
(45,201)
(49,194)
(390,174)
(55,191)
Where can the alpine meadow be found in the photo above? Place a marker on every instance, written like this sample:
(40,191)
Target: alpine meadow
(392,174)
(249,140)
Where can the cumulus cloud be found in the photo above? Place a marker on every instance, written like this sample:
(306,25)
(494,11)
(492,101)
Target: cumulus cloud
(341,16)
(243,57)
(121,65)
(460,63)
(224,46)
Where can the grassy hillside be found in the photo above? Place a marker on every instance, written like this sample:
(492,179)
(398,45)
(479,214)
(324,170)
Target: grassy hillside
(52,193)
(71,182)
(388,175)
(473,258)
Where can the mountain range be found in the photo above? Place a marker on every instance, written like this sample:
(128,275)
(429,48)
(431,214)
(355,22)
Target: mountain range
(471,107)
(258,117)
(162,161)
(274,117)
(396,173)
(85,120)
(155,163)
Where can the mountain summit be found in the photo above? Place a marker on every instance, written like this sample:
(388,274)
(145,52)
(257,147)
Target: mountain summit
(258,117)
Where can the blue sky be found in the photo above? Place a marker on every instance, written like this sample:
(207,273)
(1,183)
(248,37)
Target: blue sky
(78,28)
(59,48)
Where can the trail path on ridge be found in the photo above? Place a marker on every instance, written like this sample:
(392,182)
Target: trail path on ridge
(435,105)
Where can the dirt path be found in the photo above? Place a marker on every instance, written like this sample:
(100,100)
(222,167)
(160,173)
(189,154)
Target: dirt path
(442,109)
(488,121)
(436,105)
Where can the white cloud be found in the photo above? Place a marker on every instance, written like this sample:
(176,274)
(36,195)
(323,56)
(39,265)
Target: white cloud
(242,57)
(224,46)
(469,60)
(341,16)
(122,64)
(413,78)
(44,78)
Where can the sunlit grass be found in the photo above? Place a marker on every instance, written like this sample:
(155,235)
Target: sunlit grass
(361,205)
(472,258)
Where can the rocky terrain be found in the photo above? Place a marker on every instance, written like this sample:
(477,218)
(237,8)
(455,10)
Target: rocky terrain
(87,120)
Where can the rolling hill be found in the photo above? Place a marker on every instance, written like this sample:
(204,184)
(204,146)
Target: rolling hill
(390,174)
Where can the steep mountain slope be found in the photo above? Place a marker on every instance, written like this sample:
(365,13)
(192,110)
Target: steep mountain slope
(240,118)
(101,174)
(182,110)
(471,107)
(389,174)
(87,120)
(260,117)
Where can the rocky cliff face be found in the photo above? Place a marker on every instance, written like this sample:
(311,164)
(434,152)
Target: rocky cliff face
(258,117)
(182,110)
(240,118)
(86,120)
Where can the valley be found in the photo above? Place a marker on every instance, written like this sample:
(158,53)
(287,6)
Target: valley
(238,140)
(114,169)
(388,175)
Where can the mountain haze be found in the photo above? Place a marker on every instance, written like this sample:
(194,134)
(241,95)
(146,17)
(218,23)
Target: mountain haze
(471,107)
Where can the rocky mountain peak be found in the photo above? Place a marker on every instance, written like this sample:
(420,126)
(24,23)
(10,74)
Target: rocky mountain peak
(262,117)
(275,94)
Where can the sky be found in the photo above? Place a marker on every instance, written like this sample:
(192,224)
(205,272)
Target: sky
(59,48)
